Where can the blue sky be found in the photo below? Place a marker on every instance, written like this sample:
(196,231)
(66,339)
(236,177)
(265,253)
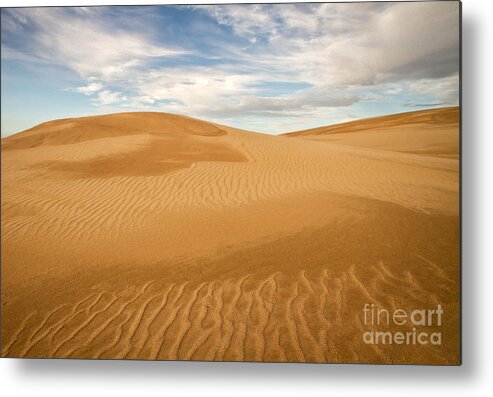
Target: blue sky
(268,68)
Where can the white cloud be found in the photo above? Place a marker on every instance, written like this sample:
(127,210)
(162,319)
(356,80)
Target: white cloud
(224,94)
(196,86)
(293,106)
(107,97)
(394,89)
(89,89)
(251,21)
(444,90)
(84,42)
(341,44)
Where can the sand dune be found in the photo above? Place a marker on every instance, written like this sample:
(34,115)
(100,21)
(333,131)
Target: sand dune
(430,132)
(156,236)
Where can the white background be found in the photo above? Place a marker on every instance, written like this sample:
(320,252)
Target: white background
(474,377)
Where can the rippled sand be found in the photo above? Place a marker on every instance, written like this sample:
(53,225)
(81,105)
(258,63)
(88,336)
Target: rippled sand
(155,236)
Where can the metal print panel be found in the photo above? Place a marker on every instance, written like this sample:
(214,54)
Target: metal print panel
(239,182)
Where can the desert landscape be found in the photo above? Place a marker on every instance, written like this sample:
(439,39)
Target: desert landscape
(157,236)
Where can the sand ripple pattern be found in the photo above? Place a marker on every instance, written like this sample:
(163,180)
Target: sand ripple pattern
(279,168)
(153,236)
(305,318)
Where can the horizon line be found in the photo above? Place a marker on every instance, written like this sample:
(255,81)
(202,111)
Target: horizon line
(225,125)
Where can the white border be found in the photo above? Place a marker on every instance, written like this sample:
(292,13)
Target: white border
(87,378)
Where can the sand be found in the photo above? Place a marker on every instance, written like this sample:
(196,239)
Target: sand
(156,236)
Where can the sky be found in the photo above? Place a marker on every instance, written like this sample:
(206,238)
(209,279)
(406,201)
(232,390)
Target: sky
(265,67)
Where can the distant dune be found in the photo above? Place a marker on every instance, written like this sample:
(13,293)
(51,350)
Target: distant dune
(156,236)
(431,132)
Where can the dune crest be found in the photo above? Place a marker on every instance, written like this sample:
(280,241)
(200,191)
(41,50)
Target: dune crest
(157,236)
(69,131)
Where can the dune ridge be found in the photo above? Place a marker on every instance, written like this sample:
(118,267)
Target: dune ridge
(156,236)
(429,132)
